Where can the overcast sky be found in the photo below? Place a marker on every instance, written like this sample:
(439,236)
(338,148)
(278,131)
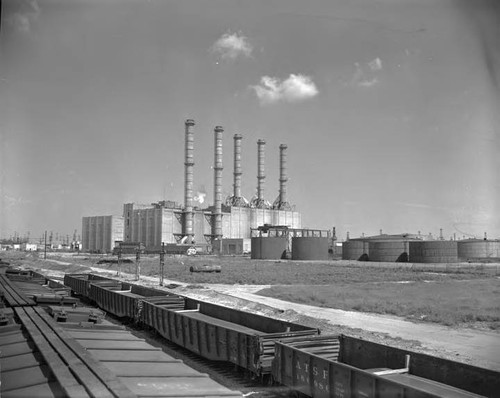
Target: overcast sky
(390,108)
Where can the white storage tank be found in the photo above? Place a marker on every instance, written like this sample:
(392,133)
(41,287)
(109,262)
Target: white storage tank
(472,249)
(389,251)
(355,249)
(437,251)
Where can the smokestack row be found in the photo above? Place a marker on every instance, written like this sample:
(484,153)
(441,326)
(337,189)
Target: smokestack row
(281,203)
(188,181)
(217,214)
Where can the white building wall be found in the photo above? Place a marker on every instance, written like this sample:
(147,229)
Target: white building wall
(99,233)
(153,225)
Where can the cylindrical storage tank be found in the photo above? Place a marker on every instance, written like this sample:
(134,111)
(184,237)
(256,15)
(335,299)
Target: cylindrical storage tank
(439,251)
(355,250)
(478,249)
(309,248)
(268,248)
(389,251)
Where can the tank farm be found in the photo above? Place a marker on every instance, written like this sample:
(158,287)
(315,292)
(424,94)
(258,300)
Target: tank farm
(87,335)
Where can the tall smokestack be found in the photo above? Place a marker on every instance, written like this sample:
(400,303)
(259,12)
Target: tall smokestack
(188,181)
(261,174)
(283,176)
(237,166)
(217,212)
(236,199)
(281,203)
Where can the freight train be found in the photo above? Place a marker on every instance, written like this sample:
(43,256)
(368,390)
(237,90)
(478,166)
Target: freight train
(53,346)
(291,354)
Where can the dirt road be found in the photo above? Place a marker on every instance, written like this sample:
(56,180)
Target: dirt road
(477,346)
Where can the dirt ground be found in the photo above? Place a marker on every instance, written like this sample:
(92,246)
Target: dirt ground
(472,346)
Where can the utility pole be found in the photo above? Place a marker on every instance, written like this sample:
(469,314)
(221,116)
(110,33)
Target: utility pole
(162,262)
(119,273)
(45,247)
(138,264)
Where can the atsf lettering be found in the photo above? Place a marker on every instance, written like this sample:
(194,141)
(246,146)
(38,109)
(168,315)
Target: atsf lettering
(320,376)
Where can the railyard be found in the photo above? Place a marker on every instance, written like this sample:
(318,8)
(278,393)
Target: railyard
(474,342)
(197,334)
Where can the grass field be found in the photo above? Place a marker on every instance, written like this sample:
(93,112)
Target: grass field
(451,302)
(243,270)
(453,296)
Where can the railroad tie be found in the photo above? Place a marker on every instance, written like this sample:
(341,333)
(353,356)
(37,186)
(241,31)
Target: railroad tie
(13,297)
(59,369)
(100,379)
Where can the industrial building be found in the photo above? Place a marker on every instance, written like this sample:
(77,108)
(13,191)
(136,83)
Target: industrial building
(162,222)
(233,218)
(100,233)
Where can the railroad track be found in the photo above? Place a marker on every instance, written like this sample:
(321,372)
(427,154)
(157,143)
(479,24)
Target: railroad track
(83,355)
(230,345)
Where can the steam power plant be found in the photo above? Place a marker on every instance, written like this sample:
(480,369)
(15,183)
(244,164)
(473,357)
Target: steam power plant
(168,222)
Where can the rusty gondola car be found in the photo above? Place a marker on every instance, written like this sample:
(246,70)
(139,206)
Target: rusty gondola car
(212,331)
(345,366)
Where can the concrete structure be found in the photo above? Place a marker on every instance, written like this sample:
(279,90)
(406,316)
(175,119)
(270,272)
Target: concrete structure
(233,246)
(169,222)
(130,218)
(29,247)
(281,202)
(188,181)
(237,199)
(162,222)
(217,211)
(100,233)
(259,201)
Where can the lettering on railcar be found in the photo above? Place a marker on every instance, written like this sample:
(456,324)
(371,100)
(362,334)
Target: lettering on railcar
(320,376)
(339,390)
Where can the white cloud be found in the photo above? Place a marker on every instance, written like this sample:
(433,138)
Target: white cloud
(295,88)
(366,76)
(231,46)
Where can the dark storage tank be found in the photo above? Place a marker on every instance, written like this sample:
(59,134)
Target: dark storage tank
(438,251)
(269,248)
(389,251)
(355,250)
(309,248)
(472,249)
